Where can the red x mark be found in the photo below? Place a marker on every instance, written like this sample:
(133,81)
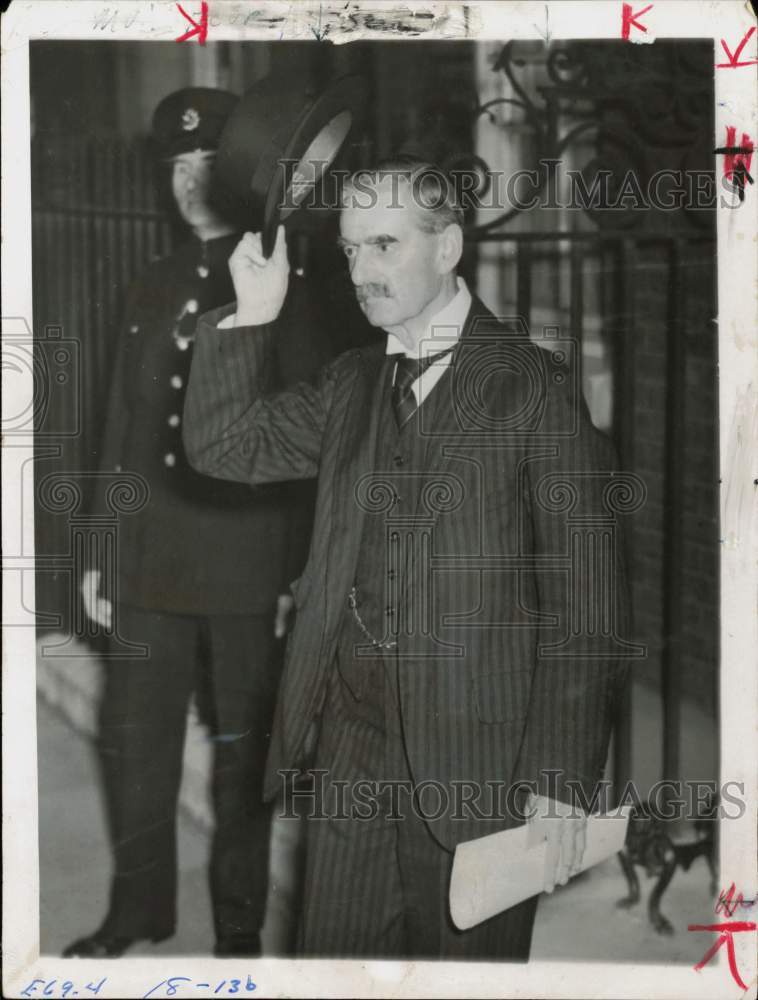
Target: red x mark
(734,60)
(727,930)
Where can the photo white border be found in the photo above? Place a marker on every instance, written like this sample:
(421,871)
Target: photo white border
(736,104)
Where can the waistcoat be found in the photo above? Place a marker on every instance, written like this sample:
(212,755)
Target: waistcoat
(387,589)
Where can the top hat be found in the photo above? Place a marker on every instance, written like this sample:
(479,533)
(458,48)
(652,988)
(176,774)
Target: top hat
(279,141)
(191,119)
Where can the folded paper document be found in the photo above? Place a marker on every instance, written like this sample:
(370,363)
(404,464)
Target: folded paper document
(493,873)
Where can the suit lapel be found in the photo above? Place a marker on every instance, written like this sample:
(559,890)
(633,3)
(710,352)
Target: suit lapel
(440,413)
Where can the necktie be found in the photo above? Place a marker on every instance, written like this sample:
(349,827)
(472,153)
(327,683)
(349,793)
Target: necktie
(408,370)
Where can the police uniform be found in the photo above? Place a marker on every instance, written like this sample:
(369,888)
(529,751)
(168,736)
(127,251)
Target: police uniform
(199,570)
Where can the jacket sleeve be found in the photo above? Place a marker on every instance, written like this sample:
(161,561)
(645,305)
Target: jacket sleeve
(236,425)
(303,502)
(304,347)
(575,683)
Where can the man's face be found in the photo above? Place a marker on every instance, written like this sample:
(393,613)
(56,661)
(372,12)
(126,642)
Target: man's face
(190,183)
(393,263)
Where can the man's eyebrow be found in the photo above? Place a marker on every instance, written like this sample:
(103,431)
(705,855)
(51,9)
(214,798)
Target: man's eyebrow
(370,241)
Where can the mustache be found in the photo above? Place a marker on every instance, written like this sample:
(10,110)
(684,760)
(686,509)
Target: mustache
(372,291)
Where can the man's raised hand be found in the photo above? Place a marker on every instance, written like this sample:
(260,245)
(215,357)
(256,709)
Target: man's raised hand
(260,284)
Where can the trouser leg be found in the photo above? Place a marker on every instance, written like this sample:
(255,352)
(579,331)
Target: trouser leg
(142,731)
(425,868)
(380,887)
(244,663)
(352,901)
(425,874)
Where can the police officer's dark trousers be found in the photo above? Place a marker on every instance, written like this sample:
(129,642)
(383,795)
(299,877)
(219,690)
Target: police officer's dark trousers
(230,663)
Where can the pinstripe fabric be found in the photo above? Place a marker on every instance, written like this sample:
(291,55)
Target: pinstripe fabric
(378,887)
(484,698)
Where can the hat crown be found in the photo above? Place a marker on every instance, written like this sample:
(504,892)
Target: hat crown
(277,123)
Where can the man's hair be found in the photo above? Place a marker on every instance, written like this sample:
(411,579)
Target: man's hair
(433,192)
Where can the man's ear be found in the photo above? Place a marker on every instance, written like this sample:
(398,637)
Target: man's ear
(450,248)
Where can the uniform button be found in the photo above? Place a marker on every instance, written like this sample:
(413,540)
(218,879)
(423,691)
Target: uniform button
(174,420)
(191,306)
(299,271)
(169,459)
(202,270)
(398,460)
(176,382)
(182,343)
(134,328)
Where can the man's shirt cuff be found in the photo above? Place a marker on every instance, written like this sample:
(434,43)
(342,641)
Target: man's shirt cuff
(227,323)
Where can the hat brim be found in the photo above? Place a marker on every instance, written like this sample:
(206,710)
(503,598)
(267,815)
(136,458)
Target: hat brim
(272,159)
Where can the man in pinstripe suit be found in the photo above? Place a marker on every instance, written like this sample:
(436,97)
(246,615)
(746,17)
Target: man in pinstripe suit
(430,653)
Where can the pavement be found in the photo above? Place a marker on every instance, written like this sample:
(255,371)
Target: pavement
(577,922)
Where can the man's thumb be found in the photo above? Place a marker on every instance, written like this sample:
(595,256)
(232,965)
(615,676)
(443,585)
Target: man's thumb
(280,246)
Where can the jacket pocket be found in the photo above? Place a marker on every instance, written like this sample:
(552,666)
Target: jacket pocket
(502,696)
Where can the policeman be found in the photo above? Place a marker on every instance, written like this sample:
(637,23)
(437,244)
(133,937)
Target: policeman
(201,574)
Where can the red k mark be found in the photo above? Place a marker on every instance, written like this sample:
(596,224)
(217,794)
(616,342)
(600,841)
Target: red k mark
(725,937)
(200,29)
(734,60)
(629,18)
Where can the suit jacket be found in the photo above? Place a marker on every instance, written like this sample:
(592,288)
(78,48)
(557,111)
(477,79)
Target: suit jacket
(504,690)
(200,545)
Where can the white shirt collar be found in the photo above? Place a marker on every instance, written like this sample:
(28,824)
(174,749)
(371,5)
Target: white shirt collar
(445,328)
